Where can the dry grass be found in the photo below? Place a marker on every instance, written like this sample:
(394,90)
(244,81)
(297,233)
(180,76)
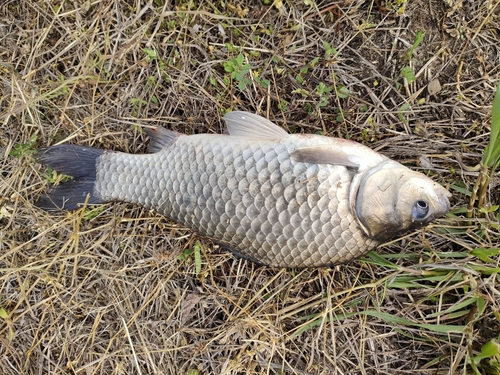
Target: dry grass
(105,293)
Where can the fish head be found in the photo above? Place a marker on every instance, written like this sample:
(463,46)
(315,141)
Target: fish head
(391,200)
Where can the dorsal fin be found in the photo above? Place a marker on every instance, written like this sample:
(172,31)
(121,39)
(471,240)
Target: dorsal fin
(160,138)
(245,124)
(324,154)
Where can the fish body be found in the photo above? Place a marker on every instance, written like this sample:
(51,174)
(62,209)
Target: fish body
(277,199)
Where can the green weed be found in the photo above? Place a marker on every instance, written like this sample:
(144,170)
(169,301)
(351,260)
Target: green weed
(92,212)
(151,54)
(314,62)
(408,74)
(283,105)
(238,70)
(398,6)
(419,37)
(24,149)
(488,165)
(138,102)
(488,358)
(323,90)
(402,110)
(341,114)
(263,82)
(3,313)
(330,52)
(195,252)
(342,92)
(55,178)
(300,77)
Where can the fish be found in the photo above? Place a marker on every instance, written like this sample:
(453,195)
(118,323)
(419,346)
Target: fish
(277,199)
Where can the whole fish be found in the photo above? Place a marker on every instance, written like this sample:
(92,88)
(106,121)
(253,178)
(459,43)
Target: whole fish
(277,199)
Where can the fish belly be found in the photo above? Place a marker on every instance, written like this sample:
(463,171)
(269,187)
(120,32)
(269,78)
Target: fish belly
(249,196)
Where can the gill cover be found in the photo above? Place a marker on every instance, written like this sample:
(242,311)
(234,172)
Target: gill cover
(390,199)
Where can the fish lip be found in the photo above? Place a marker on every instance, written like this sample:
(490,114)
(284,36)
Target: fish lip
(444,203)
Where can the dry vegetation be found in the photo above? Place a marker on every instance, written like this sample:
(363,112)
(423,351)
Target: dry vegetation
(114,290)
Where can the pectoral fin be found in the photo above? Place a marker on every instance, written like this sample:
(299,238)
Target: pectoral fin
(324,155)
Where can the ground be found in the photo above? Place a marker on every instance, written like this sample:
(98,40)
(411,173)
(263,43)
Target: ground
(118,289)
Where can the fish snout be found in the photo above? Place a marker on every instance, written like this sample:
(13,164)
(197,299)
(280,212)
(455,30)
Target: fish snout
(442,205)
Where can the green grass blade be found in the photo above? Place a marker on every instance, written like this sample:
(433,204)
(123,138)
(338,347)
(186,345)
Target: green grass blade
(492,153)
(389,318)
(378,260)
(197,257)
(386,317)
(459,306)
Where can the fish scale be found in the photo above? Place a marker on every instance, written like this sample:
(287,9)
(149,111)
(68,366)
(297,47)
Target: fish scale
(277,199)
(249,196)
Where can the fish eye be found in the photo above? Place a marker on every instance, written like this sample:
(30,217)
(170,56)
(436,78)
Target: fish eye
(420,210)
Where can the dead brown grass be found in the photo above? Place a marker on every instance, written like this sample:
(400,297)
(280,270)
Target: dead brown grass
(106,294)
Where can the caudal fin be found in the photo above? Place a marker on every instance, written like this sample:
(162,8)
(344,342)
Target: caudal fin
(78,162)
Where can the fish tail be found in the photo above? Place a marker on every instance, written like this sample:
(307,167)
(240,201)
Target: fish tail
(79,162)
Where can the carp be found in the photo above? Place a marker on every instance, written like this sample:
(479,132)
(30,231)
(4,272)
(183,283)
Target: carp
(278,199)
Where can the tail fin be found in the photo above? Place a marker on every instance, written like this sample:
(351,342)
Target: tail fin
(78,162)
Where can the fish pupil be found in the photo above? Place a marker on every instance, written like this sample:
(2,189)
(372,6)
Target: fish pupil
(422,204)
(420,210)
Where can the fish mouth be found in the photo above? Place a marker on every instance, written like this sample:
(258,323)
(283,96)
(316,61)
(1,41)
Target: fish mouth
(442,206)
